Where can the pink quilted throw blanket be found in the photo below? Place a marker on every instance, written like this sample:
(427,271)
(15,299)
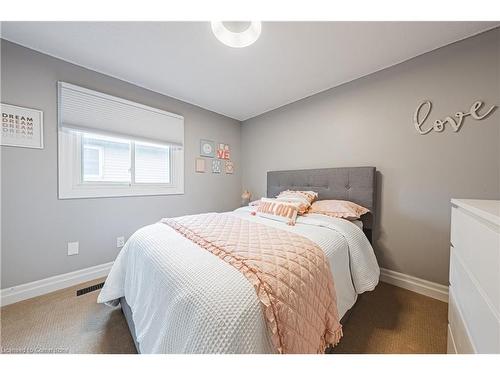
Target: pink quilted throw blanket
(290,274)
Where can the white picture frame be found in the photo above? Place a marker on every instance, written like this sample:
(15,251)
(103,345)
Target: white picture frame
(21,127)
(216,166)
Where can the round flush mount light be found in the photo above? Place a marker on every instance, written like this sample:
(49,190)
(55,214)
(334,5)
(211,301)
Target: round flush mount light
(237,38)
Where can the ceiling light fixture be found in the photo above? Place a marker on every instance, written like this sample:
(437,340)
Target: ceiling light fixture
(238,39)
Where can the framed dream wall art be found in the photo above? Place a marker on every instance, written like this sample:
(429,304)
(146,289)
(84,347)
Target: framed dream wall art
(21,127)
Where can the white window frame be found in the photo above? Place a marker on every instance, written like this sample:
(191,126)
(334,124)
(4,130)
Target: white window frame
(72,185)
(132,183)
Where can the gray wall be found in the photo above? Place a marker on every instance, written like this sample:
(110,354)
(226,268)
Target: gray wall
(368,122)
(365,122)
(36,225)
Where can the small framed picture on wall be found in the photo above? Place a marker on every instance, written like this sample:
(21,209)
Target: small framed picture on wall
(223,151)
(207,148)
(216,166)
(229,167)
(199,166)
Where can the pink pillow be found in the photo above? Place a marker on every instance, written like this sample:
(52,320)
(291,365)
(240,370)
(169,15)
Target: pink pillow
(304,198)
(278,210)
(336,208)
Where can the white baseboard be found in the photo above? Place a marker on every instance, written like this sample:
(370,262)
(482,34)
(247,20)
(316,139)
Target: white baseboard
(415,284)
(37,288)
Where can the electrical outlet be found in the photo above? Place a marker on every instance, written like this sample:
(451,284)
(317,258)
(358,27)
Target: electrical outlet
(73,248)
(120,241)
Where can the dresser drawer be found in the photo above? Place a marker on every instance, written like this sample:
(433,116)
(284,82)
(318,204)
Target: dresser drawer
(458,337)
(469,305)
(477,242)
(451,348)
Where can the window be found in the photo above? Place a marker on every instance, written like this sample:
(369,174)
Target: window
(99,161)
(152,163)
(92,166)
(109,159)
(105,159)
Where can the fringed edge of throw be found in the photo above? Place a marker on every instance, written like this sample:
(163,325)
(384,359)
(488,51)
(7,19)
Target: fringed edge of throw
(331,339)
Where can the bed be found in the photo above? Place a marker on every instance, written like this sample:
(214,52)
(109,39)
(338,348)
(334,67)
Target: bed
(179,298)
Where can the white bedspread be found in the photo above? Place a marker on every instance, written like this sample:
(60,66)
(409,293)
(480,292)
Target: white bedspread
(186,300)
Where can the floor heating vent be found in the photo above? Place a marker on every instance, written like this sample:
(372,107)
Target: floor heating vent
(89,289)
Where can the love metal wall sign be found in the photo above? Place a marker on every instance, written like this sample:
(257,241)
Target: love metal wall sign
(455,122)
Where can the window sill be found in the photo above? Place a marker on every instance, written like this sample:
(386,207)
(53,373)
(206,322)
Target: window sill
(117,192)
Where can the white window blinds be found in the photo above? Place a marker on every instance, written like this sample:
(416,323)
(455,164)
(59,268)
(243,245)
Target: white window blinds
(112,147)
(81,108)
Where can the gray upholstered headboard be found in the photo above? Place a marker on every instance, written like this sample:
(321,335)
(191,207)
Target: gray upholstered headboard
(356,184)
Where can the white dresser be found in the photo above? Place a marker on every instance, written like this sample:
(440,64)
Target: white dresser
(474,306)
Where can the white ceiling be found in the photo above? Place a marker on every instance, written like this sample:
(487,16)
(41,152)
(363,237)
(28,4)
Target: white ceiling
(290,61)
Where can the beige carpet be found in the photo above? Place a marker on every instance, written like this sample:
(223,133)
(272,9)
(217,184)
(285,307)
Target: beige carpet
(387,320)
(63,322)
(395,320)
